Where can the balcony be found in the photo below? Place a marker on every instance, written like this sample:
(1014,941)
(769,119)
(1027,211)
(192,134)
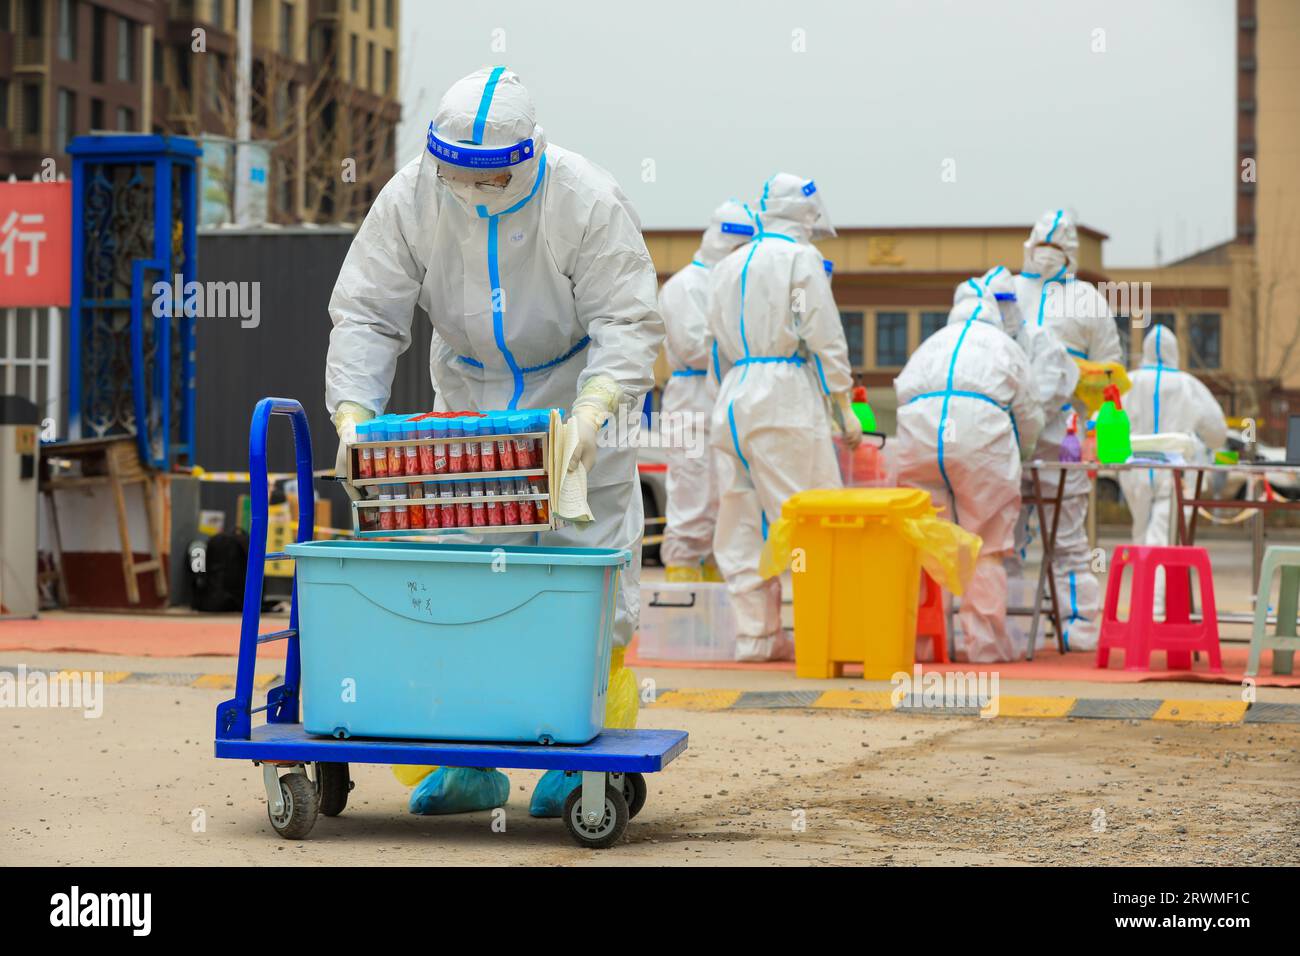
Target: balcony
(31,52)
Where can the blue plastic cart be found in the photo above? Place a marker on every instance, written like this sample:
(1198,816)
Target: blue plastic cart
(307,775)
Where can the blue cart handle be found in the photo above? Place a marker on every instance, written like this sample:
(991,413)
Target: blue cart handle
(234,717)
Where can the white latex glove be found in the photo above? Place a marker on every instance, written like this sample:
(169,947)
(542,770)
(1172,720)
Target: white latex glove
(850,426)
(347,417)
(598,399)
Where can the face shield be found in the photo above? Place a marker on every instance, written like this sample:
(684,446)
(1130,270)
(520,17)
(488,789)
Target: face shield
(478,174)
(794,199)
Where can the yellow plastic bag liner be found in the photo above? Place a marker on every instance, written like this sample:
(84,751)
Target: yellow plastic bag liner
(1093,379)
(947,550)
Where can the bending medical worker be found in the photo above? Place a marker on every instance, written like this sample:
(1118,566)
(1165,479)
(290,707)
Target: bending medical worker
(966,409)
(1052,297)
(530,263)
(688,396)
(780,355)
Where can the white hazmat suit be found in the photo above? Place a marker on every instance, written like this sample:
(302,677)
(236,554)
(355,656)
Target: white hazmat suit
(688,397)
(1051,297)
(534,292)
(1164,399)
(530,263)
(1055,376)
(966,402)
(779,352)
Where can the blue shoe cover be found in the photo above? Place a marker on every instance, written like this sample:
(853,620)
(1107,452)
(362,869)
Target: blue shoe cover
(460,790)
(551,792)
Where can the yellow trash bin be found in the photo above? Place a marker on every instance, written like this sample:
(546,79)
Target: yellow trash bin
(857,579)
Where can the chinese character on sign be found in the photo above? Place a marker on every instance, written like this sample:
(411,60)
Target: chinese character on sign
(27,229)
(35,244)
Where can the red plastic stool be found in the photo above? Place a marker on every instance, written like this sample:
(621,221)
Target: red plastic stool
(1177,635)
(931,621)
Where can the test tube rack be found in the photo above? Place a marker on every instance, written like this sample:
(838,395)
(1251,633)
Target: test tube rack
(547,443)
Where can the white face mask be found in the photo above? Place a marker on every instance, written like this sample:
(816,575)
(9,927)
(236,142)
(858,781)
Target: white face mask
(1049,260)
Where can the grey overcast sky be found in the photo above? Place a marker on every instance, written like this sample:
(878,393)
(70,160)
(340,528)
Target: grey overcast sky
(1137,138)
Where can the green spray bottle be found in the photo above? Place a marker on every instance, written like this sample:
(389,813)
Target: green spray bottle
(861,409)
(1113,445)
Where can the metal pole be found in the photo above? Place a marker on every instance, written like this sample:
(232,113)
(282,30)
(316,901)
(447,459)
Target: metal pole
(243,94)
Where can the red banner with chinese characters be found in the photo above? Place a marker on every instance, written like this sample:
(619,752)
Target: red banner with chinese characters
(35,244)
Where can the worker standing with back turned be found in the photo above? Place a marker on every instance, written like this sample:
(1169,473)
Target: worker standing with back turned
(530,263)
(780,354)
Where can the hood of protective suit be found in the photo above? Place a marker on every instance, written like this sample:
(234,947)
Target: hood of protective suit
(972,301)
(490,107)
(790,203)
(1160,348)
(730,227)
(1056,226)
(999,284)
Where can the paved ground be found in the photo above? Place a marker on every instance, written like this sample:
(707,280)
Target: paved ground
(792,785)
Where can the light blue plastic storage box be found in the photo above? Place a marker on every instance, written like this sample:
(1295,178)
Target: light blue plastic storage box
(455,641)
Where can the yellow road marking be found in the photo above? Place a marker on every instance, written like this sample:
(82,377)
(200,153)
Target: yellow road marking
(227,681)
(698,699)
(855,700)
(1034,706)
(1206,711)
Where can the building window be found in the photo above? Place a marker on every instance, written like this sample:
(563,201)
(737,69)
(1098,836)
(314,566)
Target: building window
(67,125)
(388,72)
(158,72)
(125,119)
(370,14)
(4,103)
(219,13)
(67,29)
(216,68)
(32,109)
(370,66)
(853,335)
(1204,340)
(388,13)
(125,50)
(96,114)
(1168,319)
(286,30)
(352,57)
(29,357)
(98,36)
(932,322)
(34,17)
(891,339)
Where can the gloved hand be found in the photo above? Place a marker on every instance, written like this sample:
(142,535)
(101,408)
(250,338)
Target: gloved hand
(347,417)
(850,426)
(593,406)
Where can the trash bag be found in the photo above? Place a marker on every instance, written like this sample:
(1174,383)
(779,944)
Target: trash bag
(1093,379)
(460,790)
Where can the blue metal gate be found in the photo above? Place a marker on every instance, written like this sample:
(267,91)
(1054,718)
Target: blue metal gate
(131,371)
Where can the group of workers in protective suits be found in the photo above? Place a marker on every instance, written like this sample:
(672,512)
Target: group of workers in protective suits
(530,263)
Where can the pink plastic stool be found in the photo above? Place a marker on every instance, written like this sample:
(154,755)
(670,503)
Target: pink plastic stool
(1177,635)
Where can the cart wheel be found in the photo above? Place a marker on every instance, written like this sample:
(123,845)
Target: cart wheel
(634,792)
(608,831)
(300,803)
(334,784)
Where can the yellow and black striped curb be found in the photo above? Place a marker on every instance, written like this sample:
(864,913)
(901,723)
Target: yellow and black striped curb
(1007,705)
(860,701)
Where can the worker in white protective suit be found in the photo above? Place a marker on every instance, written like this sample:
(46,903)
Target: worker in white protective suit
(1164,399)
(1052,297)
(688,399)
(530,263)
(1055,376)
(966,408)
(780,356)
